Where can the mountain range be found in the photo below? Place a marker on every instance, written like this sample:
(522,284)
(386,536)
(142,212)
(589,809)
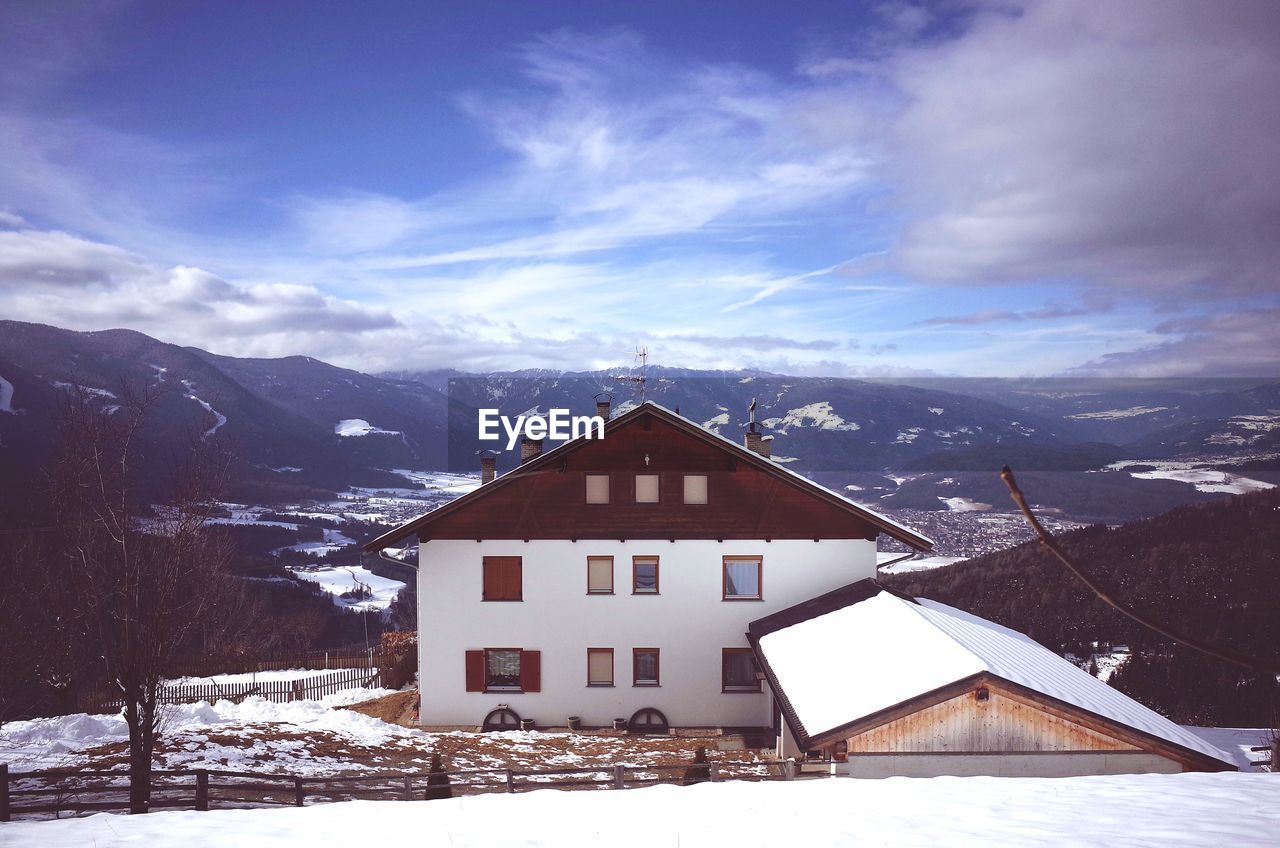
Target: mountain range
(301,427)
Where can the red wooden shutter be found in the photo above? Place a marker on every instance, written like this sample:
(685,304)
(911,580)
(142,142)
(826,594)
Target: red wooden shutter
(475,671)
(531,671)
(514,580)
(502,579)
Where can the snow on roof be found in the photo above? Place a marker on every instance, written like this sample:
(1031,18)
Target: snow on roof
(919,647)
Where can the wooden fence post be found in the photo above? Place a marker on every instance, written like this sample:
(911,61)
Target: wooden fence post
(788,773)
(511,783)
(4,792)
(619,777)
(408,787)
(202,790)
(714,771)
(298,794)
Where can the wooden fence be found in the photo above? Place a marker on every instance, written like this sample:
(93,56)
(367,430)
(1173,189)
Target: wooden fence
(105,701)
(53,793)
(386,670)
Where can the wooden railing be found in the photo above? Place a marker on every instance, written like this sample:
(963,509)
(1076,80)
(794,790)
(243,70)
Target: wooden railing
(281,691)
(45,793)
(388,670)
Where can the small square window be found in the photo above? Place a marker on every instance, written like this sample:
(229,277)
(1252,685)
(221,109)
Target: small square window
(646,488)
(738,670)
(599,666)
(597,488)
(600,575)
(644,663)
(644,576)
(695,488)
(502,579)
(742,578)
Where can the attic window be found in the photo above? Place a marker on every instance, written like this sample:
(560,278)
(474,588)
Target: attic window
(695,488)
(597,488)
(646,488)
(981,694)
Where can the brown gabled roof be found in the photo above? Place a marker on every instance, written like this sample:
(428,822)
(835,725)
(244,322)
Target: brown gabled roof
(739,453)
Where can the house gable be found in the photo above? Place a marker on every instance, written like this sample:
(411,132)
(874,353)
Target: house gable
(749,497)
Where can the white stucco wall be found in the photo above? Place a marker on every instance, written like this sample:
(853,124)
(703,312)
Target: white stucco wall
(688,621)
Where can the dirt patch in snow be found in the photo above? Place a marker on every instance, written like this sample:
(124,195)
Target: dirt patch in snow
(399,708)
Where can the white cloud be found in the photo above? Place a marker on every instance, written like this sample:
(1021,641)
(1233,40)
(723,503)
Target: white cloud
(73,282)
(1126,145)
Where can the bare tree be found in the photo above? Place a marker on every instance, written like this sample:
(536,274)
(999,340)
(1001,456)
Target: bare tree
(134,585)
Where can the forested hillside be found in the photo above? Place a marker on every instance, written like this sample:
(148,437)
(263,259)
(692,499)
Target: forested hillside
(1212,570)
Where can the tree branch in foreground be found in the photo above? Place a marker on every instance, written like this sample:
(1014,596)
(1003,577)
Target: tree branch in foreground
(1252,663)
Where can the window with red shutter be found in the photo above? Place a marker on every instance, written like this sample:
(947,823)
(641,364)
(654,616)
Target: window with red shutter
(503,580)
(475,671)
(531,671)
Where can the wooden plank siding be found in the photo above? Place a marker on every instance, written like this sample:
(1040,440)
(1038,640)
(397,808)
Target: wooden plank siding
(1003,722)
(743,502)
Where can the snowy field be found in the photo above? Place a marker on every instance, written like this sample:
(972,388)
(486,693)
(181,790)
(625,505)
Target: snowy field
(1195,473)
(315,738)
(335,581)
(921,564)
(1147,810)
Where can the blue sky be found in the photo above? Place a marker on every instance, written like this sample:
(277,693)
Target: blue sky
(878,189)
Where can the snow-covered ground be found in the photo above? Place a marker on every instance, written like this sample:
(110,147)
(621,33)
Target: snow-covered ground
(819,415)
(921,564)
(1239,742)
(65,741)
(1150,810)
(961,504)
(333,540)
(348,427)
(1113,414)
(335,581)
(1196,473)
(312,738)
(218,418)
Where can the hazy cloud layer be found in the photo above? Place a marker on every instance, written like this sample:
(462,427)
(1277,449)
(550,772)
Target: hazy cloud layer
(1207,346)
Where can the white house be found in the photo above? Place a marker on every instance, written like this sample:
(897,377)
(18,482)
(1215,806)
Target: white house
(616,578)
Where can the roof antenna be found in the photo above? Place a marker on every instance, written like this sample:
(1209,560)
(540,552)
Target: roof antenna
(636,376)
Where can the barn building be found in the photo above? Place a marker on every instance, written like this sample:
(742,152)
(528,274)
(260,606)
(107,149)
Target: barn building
(943,692)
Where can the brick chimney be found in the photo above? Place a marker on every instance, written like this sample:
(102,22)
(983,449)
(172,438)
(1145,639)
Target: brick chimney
(754,440)
(603,402)
(488,466)
(529,449)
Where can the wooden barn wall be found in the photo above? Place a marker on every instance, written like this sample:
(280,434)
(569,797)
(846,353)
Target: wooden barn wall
(743,502)
(1001,723)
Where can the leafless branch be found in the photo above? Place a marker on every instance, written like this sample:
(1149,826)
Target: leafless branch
(1258,664)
